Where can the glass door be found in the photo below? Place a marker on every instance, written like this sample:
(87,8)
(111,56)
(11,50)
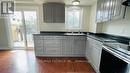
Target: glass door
(31,27)
(17,30)
(23,26)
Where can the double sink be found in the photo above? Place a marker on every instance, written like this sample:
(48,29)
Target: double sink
(109,42)
(116,45)
(119,46)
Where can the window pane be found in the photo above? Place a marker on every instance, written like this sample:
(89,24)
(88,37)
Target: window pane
(73,18)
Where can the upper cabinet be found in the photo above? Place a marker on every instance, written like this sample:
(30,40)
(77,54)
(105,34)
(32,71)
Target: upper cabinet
(54,12)
(109,10)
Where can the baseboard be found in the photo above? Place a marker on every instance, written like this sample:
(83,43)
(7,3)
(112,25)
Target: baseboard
(92,65)
(4,48)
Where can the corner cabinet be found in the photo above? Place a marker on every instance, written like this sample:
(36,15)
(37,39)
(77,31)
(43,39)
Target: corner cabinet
(54,12)
(93,52)
(108,10)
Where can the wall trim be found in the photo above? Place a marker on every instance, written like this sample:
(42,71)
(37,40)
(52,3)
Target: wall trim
(4,48)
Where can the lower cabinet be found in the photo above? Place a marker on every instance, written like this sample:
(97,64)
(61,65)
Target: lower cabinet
(93,52)
(52,45)
(67,46)
(60,46)
(79,46)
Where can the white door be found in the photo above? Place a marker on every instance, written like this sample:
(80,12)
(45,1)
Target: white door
(23,26)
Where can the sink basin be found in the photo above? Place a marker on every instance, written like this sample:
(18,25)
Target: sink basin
(74,34)
(120,47)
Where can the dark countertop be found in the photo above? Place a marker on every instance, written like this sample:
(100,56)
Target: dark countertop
(56,35)
(97,36)
(60,34)
(101,38)
(104,38)
(118,47)
(107,37)
(120,53)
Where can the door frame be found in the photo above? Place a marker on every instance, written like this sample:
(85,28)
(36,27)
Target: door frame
(25,33)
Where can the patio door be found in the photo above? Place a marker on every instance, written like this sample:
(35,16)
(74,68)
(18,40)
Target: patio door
(23,26)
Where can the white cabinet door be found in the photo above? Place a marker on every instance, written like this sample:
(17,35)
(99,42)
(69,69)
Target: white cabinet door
(79,46)
(38,45)
(72,46)
(109,10)
(67,46)
(96,56)
(39,51)
(99,13)
(52,45)
(88,49)
(38,40)
(93,52)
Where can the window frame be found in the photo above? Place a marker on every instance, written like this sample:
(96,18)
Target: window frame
(67,16)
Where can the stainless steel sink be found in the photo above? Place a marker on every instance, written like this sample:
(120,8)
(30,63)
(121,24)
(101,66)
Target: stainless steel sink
(120,47)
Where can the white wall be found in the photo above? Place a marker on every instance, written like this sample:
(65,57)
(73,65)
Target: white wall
(55,26)
(4,23)
(30,7)
(93,24)
(4,40)
(118,27)
(61,26)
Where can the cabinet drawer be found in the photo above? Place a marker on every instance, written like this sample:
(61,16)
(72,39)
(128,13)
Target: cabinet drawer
(58,37)
(38,37)
(80,38)
(52,37)
(94,43)
(48,37)
(38,43)
(53,51)
(52,43)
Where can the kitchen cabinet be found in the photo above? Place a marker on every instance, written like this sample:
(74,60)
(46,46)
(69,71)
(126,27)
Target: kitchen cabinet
(109,10)
(99,13)
(79,46)
(117,9)
(57,46)
(52,45)
(39,45)
(93,52)
(54,12)
(67,46)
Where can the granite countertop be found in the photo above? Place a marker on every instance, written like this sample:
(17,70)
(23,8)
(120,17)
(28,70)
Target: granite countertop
(106,39)
(60,34)
(120,53)
(101,38)
(113,46)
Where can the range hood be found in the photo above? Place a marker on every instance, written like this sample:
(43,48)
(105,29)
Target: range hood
(126,3)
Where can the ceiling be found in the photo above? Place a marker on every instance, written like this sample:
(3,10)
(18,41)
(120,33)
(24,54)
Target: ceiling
(68,2)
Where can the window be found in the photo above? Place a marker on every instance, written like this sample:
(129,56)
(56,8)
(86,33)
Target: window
(73,17)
